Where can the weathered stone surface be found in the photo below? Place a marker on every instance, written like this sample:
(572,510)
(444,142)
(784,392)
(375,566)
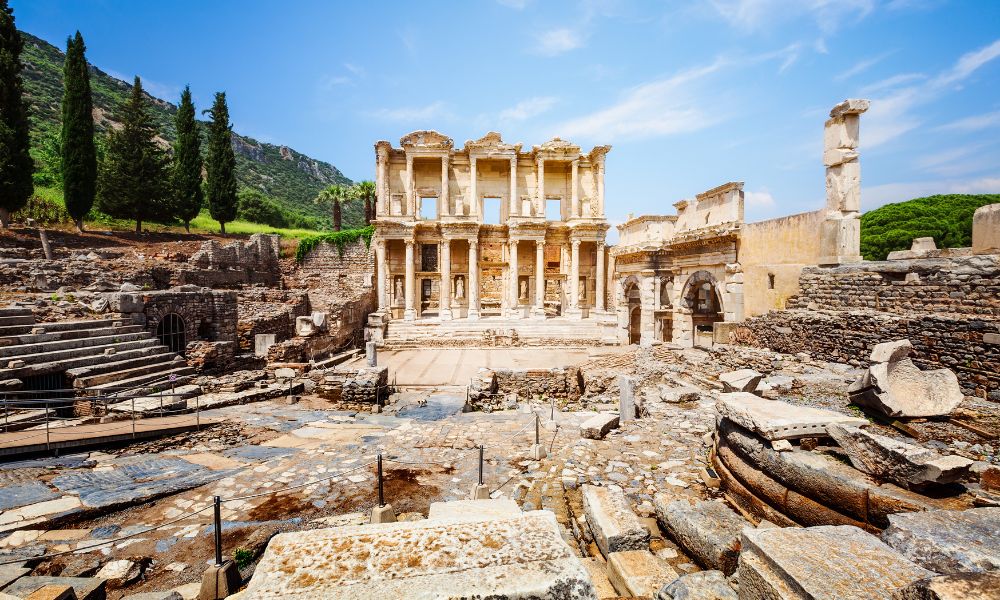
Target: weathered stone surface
(119,573)
(11,572)
(948,541)
(53,592)
(776,420)
(743,380)
(474,509)
(891,351)
(598,426)
(708,531)
(897,461)
(638,573)
(626,398)
(305,327)
(819,563)
(599,577)
(615,527)
(961,586)
(678,394)
(167,595)
(900,389)
(514,558)
(85,588)
(986,230)
(703,585)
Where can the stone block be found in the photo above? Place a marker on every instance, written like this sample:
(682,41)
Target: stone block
(596,427)
(901,389)
(891,351)
(776,420)
(614,526)
(599,577)
(53,592)
(383,514)
(119,573)
(220,581)
(676,395)
(85,588)
(474,509)
(320,320)
(304,327)
(961,586)
(900,462)
(703,585)
(517,557)
(626,398)
(261,342)
(127,303)
(743,380)
(708,531)
(986,230)
(165,595)
(638,573)
(851,106)
(821,563)
(948,541)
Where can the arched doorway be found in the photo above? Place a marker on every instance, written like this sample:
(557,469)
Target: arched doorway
(701,296)
(170,332)
(634,304)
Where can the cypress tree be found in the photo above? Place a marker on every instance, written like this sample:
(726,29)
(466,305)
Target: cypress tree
(221,165)
(79,156)
(16,165)
(133,179)
(188,195)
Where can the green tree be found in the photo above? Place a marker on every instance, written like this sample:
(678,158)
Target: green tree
(221,165)
(133,179)
(258,208)
(365,190)
(188,195)
(16,184)
(335,195)
(79,155)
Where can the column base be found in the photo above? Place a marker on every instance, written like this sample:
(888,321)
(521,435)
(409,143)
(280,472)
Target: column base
(538,313)
(410,314)
(473,314)
(480,492)
(537,452)
(445,314)
(516,312)
(574,313)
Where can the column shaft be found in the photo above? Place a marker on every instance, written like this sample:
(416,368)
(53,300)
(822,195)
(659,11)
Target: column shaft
(574,277)
(381,268)
(444,201)
(515,290)
(445,293)
(540,195)
(473,194)
(599,300)
(410,205)
(473,288)
(600,189)
(409,314)
(574,197)
(515,208)
(540,278)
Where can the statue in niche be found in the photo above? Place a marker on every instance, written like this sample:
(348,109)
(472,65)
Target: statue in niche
(460,287)
(524,290)
(583,289)
(398,295)
(665,292)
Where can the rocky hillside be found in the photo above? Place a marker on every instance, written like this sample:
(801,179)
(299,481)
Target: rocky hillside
(290,177)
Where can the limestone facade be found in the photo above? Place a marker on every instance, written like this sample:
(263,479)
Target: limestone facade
(489,229)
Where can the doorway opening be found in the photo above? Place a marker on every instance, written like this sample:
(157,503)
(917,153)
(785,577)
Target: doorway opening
(170,332)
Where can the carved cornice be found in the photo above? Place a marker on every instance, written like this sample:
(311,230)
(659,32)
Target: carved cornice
(490,145)
(426,140)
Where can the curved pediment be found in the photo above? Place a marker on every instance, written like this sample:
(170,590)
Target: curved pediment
(426,139)
(490,143)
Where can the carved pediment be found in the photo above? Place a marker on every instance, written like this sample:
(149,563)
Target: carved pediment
(559,146)
(489,143)
(426,139)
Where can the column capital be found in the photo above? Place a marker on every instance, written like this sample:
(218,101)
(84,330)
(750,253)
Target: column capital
(600,245)
(513,242)
(473,243)
(409,242)
(576,244)
(539,243)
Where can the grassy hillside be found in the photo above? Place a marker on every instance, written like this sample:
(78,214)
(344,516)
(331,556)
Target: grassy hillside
(946,218)
(290,177)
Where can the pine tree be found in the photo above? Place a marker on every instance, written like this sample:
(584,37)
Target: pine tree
(133,179)
(188,195)
(15,162)
(79,156)
(221,165)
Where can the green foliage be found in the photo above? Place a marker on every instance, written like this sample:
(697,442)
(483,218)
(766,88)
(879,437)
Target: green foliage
(45,206)
(365,192)
(46,150)
(258,208)
(242,557)
(79,155)
(221,165)
(16,164)
(186,177)
(340,239)
(946,218)
(133,182)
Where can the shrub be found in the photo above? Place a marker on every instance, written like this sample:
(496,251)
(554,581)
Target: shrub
(45,206)
(946,218)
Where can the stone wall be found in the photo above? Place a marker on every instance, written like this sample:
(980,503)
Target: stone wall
(263,311)
(968,346)
(254,261)
(491,388)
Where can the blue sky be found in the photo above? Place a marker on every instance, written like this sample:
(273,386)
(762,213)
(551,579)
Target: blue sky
(690,94)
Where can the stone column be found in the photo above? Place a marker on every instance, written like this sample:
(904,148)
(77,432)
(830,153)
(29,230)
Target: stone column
(382,178)
(409,314)
(445,295)
(444,202)
(648,304)
(626,398)
(539,311)
(599,212)
(381,270)
(574,279)
(473,194)
(574,197)
(472,289)
(540,195)
(410,205)
(840,235)
(515,290)
(515,209)
(599,300)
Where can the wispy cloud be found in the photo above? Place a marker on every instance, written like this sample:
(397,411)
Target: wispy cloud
(356,70)
(861,66)
(515,4)
(526,109)
(759,199)
(973,123)
(753,15)
(558,41)
(434,110)
(968,64)
(891,82)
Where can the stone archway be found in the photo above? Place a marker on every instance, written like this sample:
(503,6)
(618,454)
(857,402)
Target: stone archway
(702,300)
(633,303)
(171,333)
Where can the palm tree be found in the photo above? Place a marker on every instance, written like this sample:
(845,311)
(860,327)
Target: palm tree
(365,190)
(336,194)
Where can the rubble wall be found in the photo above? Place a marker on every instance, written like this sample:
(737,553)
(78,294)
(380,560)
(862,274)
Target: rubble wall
(968,346)
(208,315)
(263,311)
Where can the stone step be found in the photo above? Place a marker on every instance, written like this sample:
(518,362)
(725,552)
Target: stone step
(67,334)
(159,378)
(15,311)
(80,362)
(154,364)
(6,321)
(91,351)
(75,344)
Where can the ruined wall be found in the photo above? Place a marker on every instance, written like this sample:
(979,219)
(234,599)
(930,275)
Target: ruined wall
(263,311)
(491,389)
(208,315)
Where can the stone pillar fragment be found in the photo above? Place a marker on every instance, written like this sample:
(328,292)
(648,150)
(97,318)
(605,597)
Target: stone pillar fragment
(445,294)
(371,354)
(574,277)
(473,289)
(409,314)
(626,398)
(841,232)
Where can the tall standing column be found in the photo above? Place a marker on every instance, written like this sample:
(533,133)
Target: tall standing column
(445,293)
(473,289)
(515,290)
(382,178)
(539,279)
(473,194)
(444,202)
(410,205)
(574,196)
(409,314)
(515,208)
(574,279)
(599,300)
(381,269)
(540,195)
(600,188)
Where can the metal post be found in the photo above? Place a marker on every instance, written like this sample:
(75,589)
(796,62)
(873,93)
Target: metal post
(552,412)
(5,415)
(46,425)
(218,531)
(536,429)
(133,416)
(481,465)
(197,414)
(381,496)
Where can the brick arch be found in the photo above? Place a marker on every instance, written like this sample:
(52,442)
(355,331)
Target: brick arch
(692,285)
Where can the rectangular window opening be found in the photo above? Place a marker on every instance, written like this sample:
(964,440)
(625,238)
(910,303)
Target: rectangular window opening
(429,209)
(553,209)
(491,211)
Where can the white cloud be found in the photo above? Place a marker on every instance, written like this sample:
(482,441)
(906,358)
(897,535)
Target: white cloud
(973,123)
(657,108)
(515,4)
(434,110)
(875,196)
(357,70)
(891,82)
(752,15)
(558,41)
(861,66)
(759,199)
(968,64)
(527,109)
